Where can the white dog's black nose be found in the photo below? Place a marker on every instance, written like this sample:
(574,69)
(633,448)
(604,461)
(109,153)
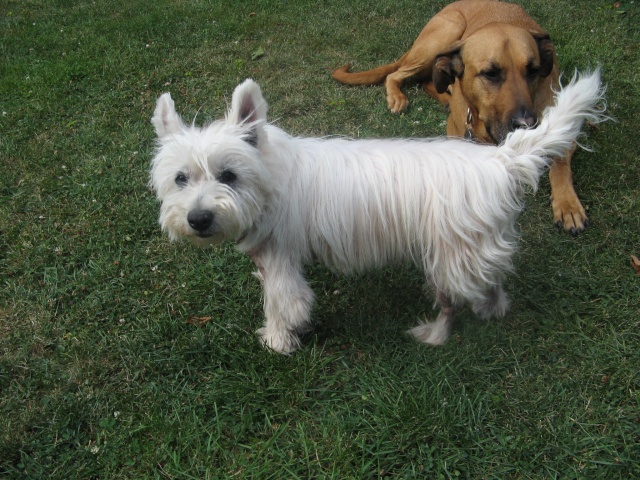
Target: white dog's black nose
(200,220)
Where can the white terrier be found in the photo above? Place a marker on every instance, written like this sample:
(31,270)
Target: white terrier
(448,205)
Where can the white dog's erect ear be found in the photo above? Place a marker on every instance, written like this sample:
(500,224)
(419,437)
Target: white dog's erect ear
(248,107)
(165,118)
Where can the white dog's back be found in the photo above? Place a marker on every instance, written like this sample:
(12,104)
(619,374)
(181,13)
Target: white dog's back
(361,204)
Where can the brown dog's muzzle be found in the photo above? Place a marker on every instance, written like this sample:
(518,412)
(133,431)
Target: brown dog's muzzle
(524,118)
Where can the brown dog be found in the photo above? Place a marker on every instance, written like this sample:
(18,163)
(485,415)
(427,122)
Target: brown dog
(495,68)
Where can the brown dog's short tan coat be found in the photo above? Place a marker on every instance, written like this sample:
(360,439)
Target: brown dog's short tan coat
(495,68)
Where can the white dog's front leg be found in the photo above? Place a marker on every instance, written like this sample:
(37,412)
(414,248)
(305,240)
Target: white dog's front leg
(287,302)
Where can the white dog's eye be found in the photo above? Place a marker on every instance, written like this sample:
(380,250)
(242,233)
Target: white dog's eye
(227,177)
(181,179)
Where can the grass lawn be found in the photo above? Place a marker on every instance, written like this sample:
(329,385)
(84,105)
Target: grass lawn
(123,356)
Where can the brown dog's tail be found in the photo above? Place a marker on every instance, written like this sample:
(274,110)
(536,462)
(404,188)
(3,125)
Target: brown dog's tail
(370,77)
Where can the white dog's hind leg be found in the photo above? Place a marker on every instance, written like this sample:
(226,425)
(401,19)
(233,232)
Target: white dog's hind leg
(436,333)
(287,303)
(495,304)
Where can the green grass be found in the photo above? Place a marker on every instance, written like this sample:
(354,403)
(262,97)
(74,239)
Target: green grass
(102,375)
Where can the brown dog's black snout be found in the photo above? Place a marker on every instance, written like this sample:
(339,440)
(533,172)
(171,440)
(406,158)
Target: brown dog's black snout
(524,118)
(200,220)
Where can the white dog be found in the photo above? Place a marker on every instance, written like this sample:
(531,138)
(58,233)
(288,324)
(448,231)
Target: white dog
(447,205)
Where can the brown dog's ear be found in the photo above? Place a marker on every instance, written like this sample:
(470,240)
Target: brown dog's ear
(447,67)
(547,52)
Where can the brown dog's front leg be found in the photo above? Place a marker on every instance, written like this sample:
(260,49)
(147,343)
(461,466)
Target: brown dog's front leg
(568,212)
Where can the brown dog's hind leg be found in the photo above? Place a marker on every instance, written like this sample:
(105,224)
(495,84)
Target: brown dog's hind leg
(442,30)
(568,212)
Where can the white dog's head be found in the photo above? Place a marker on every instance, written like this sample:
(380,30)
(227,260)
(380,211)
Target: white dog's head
(211,181)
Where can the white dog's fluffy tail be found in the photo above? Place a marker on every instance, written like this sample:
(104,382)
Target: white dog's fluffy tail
(530,151)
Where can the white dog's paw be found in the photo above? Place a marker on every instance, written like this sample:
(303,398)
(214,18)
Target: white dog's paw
(432,333)
(258,274)
(281,341)
(495,304)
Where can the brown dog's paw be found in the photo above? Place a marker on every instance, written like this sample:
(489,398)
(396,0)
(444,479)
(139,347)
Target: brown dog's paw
(570,215)
(397,102)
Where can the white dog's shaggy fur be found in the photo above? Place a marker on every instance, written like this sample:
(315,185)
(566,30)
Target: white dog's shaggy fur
(448,205)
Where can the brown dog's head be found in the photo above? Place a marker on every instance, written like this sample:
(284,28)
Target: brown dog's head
(499,68)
